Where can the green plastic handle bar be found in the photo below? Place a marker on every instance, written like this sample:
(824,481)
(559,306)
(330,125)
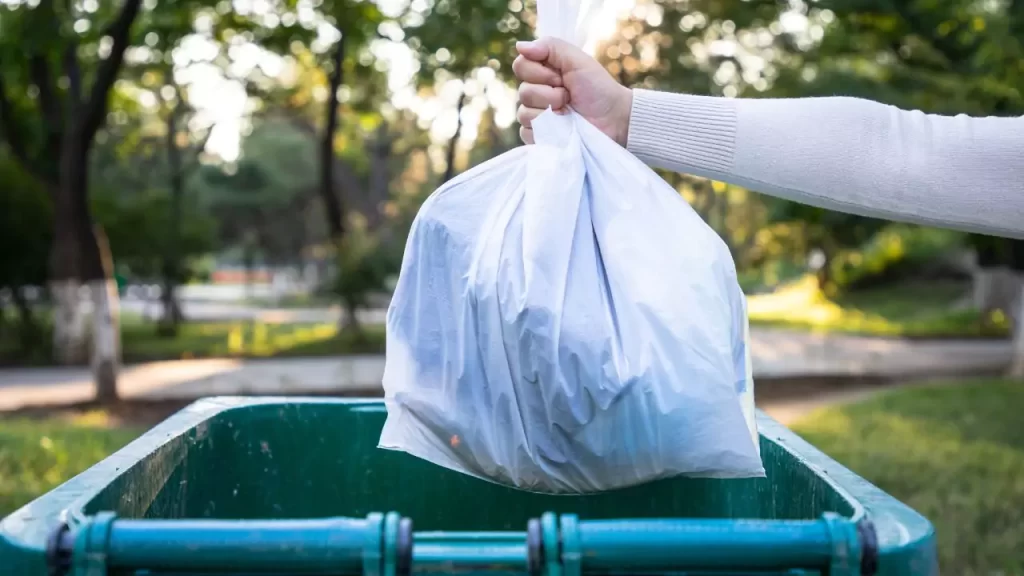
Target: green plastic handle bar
(385,545)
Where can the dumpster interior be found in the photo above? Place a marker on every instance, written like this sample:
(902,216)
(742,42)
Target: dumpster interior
(316,460)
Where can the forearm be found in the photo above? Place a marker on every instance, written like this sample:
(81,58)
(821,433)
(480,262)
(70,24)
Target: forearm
(844,154)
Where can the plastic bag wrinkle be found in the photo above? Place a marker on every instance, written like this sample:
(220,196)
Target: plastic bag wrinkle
(564,322)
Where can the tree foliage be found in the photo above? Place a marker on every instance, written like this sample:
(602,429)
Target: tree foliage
(329,153)
(940,57)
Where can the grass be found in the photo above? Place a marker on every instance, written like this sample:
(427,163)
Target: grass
(295,301)
(38,455)
(955,453)
(909,310)
(140,341)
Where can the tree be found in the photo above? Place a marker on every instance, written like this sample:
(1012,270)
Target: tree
(455,38)
(260,200)
(332,204)
(941,57)
(719,48)
(339,62)
(347,66)
(71,110)
(945,58)
(182,159)
(146,220)
(140,167)
(827,232)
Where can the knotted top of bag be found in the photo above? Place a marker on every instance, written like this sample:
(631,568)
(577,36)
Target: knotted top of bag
(569,20)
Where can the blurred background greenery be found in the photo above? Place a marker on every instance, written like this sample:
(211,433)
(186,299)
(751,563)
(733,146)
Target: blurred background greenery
(166,164)
(281,149)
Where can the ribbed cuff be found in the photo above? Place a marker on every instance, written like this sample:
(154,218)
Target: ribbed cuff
(691,134)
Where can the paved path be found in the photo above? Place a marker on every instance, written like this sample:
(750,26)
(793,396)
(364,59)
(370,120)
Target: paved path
(777,354)
(787,354)
(788,411)
(195,378)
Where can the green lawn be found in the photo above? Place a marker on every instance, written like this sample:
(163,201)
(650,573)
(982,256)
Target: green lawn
(36,456)
(914,310)
(288,302)
(911,310)
(955,453)
(140,341)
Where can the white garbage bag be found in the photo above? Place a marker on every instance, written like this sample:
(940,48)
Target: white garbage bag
(565,322)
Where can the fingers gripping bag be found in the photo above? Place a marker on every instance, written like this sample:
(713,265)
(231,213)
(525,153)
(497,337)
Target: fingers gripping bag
(564,322)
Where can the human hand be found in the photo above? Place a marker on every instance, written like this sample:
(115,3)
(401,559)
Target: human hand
(554,73)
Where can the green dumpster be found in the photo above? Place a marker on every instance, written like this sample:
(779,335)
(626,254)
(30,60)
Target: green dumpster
(287,486)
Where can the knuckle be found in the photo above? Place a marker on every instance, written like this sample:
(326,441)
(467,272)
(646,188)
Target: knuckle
(531,95)
(535,95)
(562,97)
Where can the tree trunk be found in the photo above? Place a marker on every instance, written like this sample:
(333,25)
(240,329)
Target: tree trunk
(249,262)
(332,202)
(705,199)
(995,289)
(3,314)
(981,288)
(449,169)
(171,318)
(350,320)
(824,276)
(498,145)
(1017,365)
(75,258)
(78,260)
(722,219)
(70,346)
(824,273)
(28,329)
(106,345)
(380,177)
(106,321)
(742,253)
(70,342)
(170,313)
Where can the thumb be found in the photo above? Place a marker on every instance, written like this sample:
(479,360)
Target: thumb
(552,52)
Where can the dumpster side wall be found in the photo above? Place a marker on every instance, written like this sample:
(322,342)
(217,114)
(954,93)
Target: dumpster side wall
(265,458)
(906,539)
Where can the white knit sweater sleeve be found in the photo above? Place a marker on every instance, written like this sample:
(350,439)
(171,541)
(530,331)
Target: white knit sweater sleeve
(844,154)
